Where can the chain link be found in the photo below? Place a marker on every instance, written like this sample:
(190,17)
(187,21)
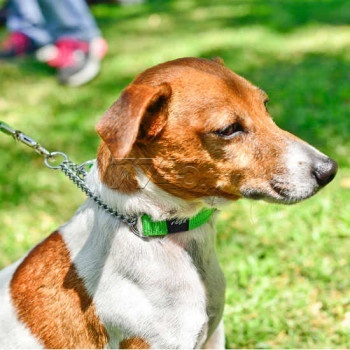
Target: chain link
(76,173)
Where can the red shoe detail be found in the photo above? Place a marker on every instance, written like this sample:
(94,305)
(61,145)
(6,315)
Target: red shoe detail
(18,44)
(67,49)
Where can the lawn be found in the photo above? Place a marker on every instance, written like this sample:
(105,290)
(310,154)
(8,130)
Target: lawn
(287,267)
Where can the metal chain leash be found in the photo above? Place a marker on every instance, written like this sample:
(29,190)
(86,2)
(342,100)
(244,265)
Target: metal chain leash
(76,173)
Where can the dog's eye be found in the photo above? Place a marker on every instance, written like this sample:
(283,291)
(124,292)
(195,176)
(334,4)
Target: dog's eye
(230,131)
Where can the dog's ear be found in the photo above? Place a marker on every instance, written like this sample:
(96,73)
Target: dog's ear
(140,112)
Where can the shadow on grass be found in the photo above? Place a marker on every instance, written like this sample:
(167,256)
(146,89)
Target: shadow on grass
(281,16)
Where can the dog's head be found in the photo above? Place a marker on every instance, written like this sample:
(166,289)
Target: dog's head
(196,129)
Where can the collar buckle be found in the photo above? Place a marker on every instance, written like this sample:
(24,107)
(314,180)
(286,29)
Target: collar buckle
(134,229)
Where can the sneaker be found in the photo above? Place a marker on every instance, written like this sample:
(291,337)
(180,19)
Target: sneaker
(17,44)
(77,61)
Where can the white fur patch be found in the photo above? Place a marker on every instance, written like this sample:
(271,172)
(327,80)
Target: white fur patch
(299,160)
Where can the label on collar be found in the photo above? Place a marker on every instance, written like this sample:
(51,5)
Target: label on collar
(178,225)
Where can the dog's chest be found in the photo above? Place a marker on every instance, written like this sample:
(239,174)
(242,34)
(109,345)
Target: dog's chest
(207,266)
(170,294)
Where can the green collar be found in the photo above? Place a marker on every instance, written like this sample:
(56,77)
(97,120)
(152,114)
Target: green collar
(152,228)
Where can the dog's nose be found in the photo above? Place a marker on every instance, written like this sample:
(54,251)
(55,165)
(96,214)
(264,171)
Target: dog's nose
(324,171)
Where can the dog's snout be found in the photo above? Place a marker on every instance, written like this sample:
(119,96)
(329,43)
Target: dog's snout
(309,170)
(324,171)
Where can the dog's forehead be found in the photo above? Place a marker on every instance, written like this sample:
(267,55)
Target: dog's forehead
(199,75)
(204,88)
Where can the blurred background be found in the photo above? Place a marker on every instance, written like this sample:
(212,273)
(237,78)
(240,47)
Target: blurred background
(287,268)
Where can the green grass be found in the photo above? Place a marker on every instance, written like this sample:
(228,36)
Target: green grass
(287,268)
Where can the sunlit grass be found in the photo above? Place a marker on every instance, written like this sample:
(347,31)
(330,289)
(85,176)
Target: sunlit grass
(290,261)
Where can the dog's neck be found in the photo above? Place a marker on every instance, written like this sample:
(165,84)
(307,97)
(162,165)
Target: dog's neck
(150,199)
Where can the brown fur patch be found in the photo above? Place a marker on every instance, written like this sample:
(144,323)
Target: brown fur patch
(50,298)
(116,174)
(119,126)
(139,111)
(134,343)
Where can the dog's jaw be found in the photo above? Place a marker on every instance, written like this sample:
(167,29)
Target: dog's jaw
(148,199)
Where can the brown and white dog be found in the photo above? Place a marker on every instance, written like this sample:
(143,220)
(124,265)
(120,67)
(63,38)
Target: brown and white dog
(190,134)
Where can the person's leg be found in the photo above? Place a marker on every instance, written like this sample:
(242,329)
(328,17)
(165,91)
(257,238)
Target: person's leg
(78,47)
(25,17)
(27,29)
(69,18)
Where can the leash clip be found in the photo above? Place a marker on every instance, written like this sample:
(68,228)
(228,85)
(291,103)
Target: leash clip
(19,136)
